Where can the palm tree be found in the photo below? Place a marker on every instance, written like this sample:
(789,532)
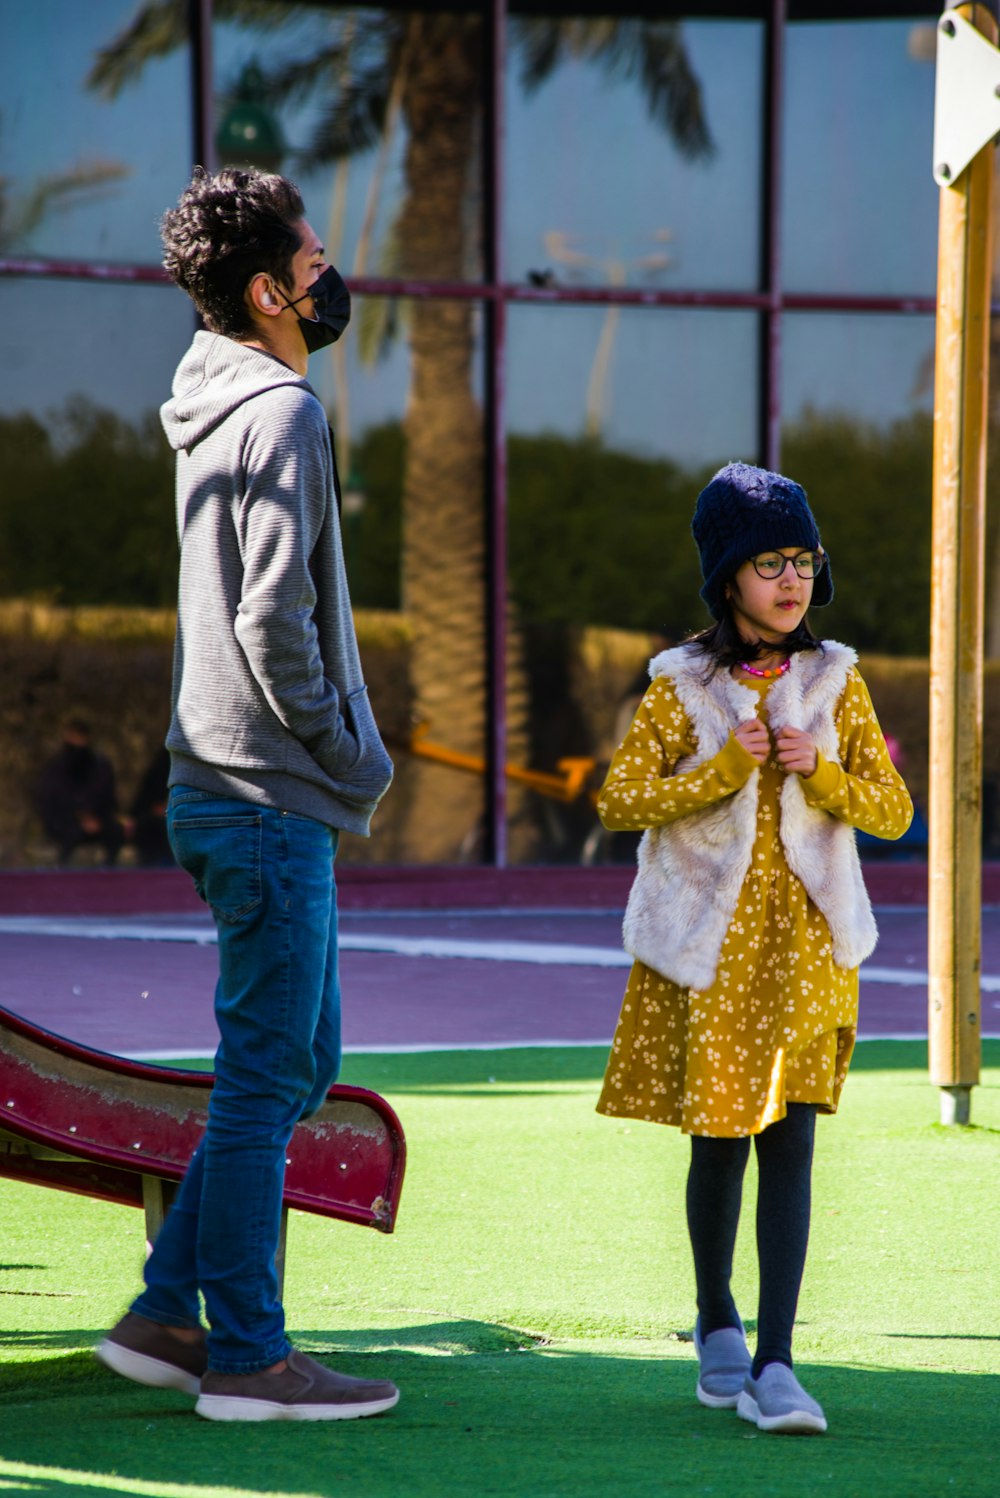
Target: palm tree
(21,215)
(429,68)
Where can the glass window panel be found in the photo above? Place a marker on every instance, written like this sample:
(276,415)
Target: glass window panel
(404,393)
(114,345)
(858,414)
(87,177)
(88,559)
(405,199)
(87,515)
(86,512)
(673,383)
(598,191)
(615,420)
(859,204)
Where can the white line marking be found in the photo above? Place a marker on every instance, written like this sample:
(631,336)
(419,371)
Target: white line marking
(92,929)
(566,954)
(561,954)
(476,1045)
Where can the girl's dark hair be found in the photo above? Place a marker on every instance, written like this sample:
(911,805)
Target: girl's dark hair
(225,229)
(723,646)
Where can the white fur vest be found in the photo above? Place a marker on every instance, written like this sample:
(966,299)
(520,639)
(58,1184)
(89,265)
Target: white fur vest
(691,872)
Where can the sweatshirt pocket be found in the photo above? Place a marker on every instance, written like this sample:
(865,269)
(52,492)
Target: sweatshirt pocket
(364,775)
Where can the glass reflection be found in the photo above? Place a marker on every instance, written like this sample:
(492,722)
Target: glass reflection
(859,202)
(661,383)
(410,449)
(624,136)
(858,402)
(88,557)
(381,113)
(403,390)
(87,171)
(603,471)
(115,345)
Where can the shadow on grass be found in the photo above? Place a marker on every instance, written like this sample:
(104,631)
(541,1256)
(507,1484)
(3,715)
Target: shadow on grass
(564,1420)
(433,1338)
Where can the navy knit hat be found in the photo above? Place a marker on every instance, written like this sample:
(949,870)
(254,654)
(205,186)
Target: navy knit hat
(744,511)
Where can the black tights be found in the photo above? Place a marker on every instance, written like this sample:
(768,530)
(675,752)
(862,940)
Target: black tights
(714,1192)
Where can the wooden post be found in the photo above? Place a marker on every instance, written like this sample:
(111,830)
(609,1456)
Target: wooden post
(957,569)
(157,1196)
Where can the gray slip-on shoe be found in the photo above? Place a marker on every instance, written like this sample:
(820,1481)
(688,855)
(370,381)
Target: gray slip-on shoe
(305,1390)
(146,1353)
(777,1402)
(723,1366)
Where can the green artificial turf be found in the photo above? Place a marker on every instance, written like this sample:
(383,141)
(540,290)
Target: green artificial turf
(534,1306)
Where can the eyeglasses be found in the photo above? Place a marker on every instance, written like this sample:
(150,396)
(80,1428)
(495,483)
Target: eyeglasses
(772,564)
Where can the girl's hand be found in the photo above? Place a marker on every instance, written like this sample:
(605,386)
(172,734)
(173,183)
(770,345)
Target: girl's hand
(796,752)
(755,738)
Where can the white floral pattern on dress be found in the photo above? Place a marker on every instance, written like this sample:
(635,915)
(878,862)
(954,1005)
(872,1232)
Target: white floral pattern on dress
(779,1023)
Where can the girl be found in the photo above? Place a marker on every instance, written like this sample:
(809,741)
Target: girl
(752,756)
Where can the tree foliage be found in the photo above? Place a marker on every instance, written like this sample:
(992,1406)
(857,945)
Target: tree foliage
(871,490)
(596,536)
(602,537)
(86,509)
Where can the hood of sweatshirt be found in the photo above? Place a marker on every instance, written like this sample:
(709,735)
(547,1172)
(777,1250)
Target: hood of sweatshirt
(216,376)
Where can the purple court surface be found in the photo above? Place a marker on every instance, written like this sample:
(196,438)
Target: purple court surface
(451,959)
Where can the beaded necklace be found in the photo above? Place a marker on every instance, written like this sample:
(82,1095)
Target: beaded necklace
(756,671)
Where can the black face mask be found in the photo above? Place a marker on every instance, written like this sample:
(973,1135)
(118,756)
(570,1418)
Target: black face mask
(332,305)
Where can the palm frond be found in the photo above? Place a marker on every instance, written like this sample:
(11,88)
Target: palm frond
(353,121)
(86,182)
(160,27)
(360,43)
(383,318)
(294,81)
(673,92)
(540,42)
(156,29)
(378,329)
(651,51)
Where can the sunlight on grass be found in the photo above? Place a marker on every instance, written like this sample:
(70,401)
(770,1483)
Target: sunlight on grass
(31,1479)
(535,1307)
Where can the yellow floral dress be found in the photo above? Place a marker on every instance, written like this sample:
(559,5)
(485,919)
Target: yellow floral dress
(778,1025)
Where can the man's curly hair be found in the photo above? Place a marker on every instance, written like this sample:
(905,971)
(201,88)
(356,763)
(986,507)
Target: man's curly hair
(225,229)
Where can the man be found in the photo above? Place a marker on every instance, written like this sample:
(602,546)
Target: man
(76,797)
(274,752)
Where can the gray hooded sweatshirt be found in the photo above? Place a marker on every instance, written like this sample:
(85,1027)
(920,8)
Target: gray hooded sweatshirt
(269,701)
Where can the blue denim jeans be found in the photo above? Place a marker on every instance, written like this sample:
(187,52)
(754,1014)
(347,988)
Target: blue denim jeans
(268,876)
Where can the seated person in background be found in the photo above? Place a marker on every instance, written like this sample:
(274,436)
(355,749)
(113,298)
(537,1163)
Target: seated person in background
(148,821)
(76,799)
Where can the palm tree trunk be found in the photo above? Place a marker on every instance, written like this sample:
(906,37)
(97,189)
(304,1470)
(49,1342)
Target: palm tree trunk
(444,522)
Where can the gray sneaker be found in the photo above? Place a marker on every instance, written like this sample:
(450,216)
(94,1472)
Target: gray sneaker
(723,1366)
(145,1352)
(777,1402)
(304,1391)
